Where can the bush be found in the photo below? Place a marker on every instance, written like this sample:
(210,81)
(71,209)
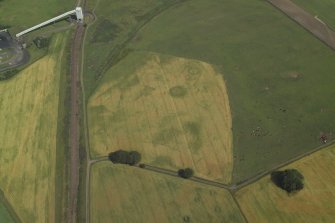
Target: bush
(290,180)
(125,157)
(185,173)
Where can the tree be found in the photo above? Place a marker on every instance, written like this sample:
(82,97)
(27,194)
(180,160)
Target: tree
(290,180)
(134,158)
(125,157)
(185,173)
(119,156)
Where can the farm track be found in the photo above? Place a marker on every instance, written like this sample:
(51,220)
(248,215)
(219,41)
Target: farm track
(74,127)
(307,21)
(231,187)
(75,69)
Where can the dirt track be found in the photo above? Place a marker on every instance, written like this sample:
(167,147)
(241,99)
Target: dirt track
(306,20)
(74,124)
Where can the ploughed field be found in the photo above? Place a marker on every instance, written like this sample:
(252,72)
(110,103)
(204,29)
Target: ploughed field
(28,117)
(125,194)
(174,111)
(264,202)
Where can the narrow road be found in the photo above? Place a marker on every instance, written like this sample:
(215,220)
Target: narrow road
(230,187)
(306,20)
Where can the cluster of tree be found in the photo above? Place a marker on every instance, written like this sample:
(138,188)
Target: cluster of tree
(290,180)
(41,42)
(185,173)
(125,157)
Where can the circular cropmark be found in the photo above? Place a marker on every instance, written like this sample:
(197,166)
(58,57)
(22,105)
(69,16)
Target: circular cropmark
(178,91)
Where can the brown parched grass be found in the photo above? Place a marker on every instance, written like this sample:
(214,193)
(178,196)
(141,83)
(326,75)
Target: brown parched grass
(175,111)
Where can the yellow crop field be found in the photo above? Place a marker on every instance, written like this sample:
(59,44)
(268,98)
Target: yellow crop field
(28,117)
(125,194)
(264,202)
(175,111)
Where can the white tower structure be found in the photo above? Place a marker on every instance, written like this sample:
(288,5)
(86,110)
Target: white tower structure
(78,12)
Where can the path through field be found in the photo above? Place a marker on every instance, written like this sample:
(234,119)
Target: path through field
(306,20)
(74,123)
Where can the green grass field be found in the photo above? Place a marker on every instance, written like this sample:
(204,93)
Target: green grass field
(125,194)
(5,216)
(323,9)
(7,213)
(29,116)
(279,77)
(21,14)
(264,202)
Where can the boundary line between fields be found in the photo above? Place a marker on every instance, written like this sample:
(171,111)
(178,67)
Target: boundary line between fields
(9,208)
(231,187)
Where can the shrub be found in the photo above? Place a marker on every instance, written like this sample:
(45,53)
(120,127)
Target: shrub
(185,173)
(290,180)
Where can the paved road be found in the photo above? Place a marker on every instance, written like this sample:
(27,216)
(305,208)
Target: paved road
(306,20)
